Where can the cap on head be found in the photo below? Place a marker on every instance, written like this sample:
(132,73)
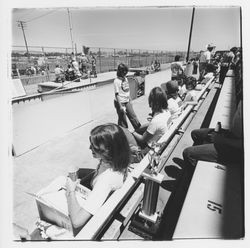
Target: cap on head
(210,46)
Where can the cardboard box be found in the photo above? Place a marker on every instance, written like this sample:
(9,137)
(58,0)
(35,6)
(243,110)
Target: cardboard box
(52,204)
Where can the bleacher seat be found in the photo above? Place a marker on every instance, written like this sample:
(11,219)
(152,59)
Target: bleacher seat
(213,205)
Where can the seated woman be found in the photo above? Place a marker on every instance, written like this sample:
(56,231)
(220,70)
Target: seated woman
(153,131)
(109,145)
(175,104)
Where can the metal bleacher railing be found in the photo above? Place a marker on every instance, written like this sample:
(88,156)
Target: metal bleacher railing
(105,218)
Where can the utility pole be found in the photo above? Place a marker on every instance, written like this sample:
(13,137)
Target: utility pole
(70,29)
(190,34)
(22,25)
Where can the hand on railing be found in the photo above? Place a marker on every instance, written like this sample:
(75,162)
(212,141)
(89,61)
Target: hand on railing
(154,157)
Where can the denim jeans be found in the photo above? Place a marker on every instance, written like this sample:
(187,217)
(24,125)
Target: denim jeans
(129,112)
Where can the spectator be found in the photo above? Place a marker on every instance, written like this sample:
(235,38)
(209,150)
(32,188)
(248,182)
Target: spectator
(75,67)
(157,65)
(122,100)
(175,104)
(177,69)
(190,94)
(109,145)
(84,63)
(93,65)
(59,74)
(222,146)
(151,132)
(69,73)
(205,58)
(195,65)
(226,60)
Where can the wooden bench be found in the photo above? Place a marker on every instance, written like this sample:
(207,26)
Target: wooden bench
(213,207)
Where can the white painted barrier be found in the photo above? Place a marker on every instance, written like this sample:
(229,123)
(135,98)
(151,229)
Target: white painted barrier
(37,122)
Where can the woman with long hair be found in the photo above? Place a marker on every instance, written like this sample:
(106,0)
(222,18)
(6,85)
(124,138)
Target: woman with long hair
(154,130)
(109,145)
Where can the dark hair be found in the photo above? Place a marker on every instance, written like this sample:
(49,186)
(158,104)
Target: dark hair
(122,70)
(157,100)
(116,148)
(191,81)
(172,89)
(177,57)
(234,49)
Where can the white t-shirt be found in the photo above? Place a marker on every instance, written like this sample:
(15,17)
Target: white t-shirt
(190,96)
(174,106)
(122,88)
(158,126)
(105,183)
(182,90)
(205,57)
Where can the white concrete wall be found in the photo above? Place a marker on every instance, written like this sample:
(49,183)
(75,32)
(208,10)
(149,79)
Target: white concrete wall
(37,122)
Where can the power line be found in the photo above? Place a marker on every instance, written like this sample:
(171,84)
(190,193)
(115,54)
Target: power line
(26,13)
(35,18)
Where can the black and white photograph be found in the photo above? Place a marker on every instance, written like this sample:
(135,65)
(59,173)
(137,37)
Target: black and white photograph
(150,95)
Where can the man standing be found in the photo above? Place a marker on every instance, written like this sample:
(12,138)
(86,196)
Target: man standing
(205,59)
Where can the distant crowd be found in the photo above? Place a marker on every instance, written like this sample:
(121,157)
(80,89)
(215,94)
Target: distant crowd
(79,68)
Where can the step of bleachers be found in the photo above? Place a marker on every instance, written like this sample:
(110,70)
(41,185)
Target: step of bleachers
(213,204)
(215,195)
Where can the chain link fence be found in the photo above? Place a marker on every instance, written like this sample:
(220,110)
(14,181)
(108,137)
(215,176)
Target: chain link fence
(44,59)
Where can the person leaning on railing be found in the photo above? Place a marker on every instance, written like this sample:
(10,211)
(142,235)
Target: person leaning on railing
(226,60)
(151,132)
(205,58)
(109,145)
(175,103)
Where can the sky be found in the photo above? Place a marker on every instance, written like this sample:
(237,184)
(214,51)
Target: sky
(152,28)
